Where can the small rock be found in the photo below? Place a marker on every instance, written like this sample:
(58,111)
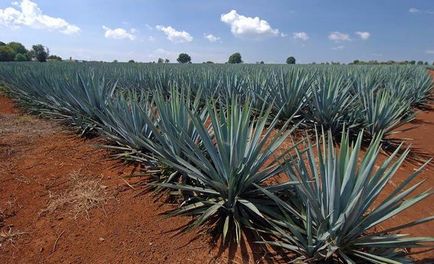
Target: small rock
(101,239)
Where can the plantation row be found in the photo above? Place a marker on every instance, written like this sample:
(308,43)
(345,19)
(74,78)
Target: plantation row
(374,98)
(213,136)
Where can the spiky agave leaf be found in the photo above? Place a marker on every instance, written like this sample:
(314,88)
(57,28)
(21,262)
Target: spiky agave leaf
(125,123)
(237,154)
(338,188)
(384,113)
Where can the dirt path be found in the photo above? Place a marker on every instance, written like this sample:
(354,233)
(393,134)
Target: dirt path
(37,161)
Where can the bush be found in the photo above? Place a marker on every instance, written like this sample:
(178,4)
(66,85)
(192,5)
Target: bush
(21,57)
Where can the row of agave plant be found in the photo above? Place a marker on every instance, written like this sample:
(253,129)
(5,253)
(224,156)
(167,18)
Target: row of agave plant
(377,99)
(234,165)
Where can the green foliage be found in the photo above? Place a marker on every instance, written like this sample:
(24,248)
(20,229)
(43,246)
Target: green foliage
(237,154)
(17,47)
(21,57)
(340,203)
(6,53)
(54,58)
(235,58)
(290,60)
(184,58)
(40,52)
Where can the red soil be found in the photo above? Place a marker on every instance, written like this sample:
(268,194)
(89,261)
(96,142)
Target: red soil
(37,158)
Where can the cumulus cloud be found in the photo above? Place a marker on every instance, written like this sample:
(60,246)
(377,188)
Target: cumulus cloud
(119,33)
(174,35)
(30,15)
(413,10)
(300,35)
(211,37)
(242,26)
(363,35)
(338,36)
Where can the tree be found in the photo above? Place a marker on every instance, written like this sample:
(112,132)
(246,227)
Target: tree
(18,47)
(2,44)
(166,61)
(40,52)
(420,63)
(131,61)
(235,58)
(6,53)
(290,60)
(21,57)
(184,58)
(54,58)
(160,60)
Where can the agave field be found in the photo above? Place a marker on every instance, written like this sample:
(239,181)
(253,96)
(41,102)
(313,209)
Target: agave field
(287,155)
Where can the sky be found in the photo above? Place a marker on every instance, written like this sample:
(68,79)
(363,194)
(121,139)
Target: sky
(261,30)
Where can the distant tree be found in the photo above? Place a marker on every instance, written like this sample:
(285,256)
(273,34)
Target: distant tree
(40,52)
(426,63)
(290,60)
(131,61)
(166,61)
(18,47)
(160,60)
(21,57)
(420,63)
(262,62)
(413,62)
(235,58)
(54,58)
(2,44)
(433,63)
(209,62)
(115,61)
(184,58)
(6,53)
(356,62)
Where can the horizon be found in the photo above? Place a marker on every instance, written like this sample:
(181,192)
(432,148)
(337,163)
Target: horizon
(311,31)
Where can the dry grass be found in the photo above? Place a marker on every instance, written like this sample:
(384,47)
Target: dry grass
(9,235)
(82,195)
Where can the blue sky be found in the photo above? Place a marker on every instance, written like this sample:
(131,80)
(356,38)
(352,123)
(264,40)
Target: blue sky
(309,30)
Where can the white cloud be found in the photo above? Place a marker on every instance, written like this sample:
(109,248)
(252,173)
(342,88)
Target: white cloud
(338,36)
(338,47)
(363,35)
(119,33)
(211,37)
(242,26)
(429,52)
(300,35)
(30,15)
(414,10)
(174,35)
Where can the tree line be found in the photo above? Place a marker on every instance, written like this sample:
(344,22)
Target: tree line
(15,51)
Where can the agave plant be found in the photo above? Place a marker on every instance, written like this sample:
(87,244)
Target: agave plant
(237,154)
(331,103)
(384,113)
(125,122)
(292,91)
(340,211)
